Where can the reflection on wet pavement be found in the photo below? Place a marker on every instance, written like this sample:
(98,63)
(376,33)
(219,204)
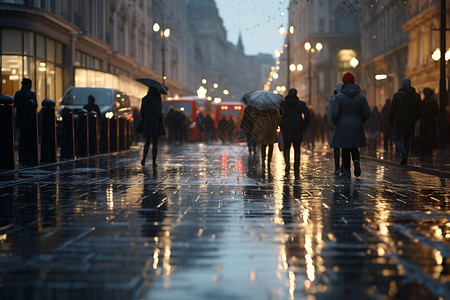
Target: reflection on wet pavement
(208,223)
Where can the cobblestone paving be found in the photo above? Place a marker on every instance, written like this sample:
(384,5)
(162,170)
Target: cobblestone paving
(209,223)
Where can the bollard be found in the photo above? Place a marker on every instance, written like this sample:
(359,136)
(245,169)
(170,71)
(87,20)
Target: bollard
(122,134)
(28,140)
(67,141)
(104,134)
(127,130)
(93,136)
(7,159)
(81,135)
(113,137)
(48,135)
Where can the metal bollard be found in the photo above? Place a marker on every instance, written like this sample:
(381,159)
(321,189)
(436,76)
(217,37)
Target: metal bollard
(104,134)
(127,130)
(28,140)
(93,136)
(7,132)
(122,134)
(48,135)
(67,141)
(81,135)
(114,140)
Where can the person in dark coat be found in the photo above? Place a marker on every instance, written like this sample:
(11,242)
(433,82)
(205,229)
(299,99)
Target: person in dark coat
(21,99)
(200,120)
(209,128)
(91,106)
(428,122)
(331,129)
(295,118)
(171,124)
(151,112)
(405,111)
(373,128)
(350,111)
(387,128)
(222,127)
(247,124)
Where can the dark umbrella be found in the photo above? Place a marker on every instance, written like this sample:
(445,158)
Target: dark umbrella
(154,84)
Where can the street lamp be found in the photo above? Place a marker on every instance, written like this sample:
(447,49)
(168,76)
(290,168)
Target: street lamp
(309,48)
(164,34)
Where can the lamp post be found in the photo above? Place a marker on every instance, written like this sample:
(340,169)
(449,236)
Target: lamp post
(311,50)
(164,34)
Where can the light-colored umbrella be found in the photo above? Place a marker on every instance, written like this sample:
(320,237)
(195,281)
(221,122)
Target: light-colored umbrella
(262,100)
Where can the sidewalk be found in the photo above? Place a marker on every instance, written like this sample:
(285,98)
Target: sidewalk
(438,164)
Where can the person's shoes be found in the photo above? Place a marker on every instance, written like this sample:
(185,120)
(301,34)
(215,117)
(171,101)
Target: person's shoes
(357,168)
(346,174)
(337,171)
(154,165)
(404,161)
(143,163)
(287,168)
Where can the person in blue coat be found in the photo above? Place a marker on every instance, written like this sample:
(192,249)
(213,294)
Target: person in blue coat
(350,111)
(153,128)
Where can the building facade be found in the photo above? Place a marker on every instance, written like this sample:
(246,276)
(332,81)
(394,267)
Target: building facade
(326,23)
(109,43)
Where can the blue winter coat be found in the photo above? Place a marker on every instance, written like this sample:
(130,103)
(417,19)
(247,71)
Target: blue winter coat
(349,112)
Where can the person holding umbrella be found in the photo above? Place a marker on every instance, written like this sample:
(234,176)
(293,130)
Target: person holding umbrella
(264,110)
(153,128)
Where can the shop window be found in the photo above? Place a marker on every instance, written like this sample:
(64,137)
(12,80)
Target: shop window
(29,67)
(11,74)
(11,41)
(41,70)
(40,46)
(59,53)
(28,43)
(50,81)
(50,50)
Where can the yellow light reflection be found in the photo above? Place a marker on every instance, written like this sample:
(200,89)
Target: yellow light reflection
(155,258)
(109,197)
(291,284)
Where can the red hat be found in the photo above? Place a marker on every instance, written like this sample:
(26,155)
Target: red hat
(348,78)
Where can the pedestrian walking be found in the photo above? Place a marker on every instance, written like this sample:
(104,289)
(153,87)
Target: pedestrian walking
(373,128)
(387,128)
(209,128)
(200,120)
(350,111)
(266,122)
(91,106)
(171,124)
(153,128)
(295,118)
(23,100)
(332,128)
(248,124)
(428,122)
(222,127)
(405,111)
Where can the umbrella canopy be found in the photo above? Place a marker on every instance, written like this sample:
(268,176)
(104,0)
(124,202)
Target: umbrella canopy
(154,84)
(263,100)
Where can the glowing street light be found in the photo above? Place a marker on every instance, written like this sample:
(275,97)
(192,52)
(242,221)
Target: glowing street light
(354,62)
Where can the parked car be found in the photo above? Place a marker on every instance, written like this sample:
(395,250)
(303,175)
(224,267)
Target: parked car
(112,102)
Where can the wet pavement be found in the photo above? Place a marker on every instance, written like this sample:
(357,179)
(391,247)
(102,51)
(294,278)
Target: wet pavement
(210,223)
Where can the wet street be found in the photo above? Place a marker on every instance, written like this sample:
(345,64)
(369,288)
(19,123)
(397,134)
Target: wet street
(209,223)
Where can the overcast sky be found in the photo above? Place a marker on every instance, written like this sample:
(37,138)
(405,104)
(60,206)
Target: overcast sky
(258,22)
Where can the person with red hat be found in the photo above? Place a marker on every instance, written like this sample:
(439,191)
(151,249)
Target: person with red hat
(349,112)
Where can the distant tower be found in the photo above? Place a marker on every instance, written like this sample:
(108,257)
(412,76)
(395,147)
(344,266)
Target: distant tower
(240,45)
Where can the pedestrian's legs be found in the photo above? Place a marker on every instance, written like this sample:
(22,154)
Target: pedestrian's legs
(400,143)
(407,143)
(269,155)
(154,150)
(146,147)
(346,162)
(355,158)
(286,154)
(263,154)
(297,145)
(337,159)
